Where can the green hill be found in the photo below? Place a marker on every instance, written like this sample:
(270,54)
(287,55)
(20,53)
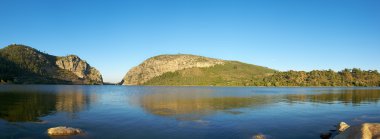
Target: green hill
(22,64)
(231,73)
(240,74)
(193,70)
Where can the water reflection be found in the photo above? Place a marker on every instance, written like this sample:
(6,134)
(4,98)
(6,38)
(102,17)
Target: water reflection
(30,104)
(16,107)
(355,97)
(198,103)
(73,102)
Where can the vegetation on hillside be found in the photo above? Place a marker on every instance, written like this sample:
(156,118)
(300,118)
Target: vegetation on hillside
(232,73)
(22,64)
(346,77)
(241,74)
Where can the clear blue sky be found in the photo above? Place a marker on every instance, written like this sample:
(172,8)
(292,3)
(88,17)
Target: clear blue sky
(114,36)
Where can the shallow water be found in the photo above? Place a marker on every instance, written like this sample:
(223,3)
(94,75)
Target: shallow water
(27,111)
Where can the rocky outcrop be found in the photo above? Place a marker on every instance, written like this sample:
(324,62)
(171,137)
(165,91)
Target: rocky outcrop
(63,131)
(21,64)
(363,131)
(342,126)
(159,65)
(80,68)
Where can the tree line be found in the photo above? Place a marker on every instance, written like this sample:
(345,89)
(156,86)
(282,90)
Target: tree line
(346,77)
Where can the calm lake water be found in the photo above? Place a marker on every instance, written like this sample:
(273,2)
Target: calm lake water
(27,111)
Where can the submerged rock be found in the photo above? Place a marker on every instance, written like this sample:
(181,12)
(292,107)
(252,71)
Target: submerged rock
(325,135)
(259,136)
(363,131)
(342,126)
(63,131)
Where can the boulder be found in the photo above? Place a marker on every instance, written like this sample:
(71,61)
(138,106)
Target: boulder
(363,131)
(63,131)
(342,126)
(259,136)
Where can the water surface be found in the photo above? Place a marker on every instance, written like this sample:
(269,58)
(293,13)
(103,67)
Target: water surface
(27,111)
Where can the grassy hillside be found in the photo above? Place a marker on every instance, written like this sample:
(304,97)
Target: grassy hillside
(232,73)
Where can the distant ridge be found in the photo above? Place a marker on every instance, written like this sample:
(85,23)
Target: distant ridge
(22,64)
(185,69)
(192,70)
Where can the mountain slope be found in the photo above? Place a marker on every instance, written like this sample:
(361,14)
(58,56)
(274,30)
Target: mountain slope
(23,64)
(232,73)
(193,70)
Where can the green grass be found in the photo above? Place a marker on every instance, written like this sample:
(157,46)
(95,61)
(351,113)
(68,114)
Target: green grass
(232,73)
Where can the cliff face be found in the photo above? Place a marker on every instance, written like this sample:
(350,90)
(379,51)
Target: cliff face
(159,65)
(80,68)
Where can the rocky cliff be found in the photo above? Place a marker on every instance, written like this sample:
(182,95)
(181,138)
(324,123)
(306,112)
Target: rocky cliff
(25,65)
(161,64)
(80,68)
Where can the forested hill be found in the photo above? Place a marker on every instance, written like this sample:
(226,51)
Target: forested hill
(185,69)
(226,75)
(22,64)
(346,77)
(191,70)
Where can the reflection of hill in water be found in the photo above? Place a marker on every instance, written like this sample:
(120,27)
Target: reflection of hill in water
(344,96)
(29,106)
(73,102)
(25,106)
(182,103)
(202,103)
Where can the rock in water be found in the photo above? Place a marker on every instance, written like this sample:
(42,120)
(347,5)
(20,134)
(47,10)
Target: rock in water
(63,131)
(342,126)
(259,136)
(363,131)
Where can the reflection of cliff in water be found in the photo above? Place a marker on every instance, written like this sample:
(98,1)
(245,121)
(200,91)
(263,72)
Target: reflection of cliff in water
(29,106)
(25,106)
(73,102)
(342,96)
(199,103)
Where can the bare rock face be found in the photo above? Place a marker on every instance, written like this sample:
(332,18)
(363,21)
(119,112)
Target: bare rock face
(363,131)
(159,65)
(63,131)
(80,68)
